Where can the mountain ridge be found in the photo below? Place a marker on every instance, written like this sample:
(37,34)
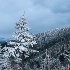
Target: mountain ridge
(57,43)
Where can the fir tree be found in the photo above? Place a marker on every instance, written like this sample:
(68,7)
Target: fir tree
(21,44)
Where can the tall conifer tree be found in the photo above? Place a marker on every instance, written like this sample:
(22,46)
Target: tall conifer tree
(22,42)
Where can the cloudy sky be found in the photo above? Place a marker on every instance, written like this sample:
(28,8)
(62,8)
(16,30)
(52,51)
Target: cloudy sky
(41,15)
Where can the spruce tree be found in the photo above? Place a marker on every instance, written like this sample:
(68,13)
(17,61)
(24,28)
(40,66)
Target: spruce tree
(22,43)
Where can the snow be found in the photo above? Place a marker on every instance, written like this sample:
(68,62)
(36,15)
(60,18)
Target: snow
(12,43)
(22,41)
(23,48)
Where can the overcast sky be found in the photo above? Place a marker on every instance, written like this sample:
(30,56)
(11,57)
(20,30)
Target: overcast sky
(41,15)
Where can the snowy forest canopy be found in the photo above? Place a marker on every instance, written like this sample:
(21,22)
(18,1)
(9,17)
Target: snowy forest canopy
(44,51)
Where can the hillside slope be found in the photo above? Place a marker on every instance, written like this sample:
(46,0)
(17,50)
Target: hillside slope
(57,42)
(57,56)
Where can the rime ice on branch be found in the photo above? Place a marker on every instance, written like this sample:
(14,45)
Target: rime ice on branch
(23,39)
(22,42)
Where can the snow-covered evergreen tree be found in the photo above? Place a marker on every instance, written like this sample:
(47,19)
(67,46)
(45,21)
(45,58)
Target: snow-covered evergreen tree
(46,61)
(4,60)
(21,44)
(23,40)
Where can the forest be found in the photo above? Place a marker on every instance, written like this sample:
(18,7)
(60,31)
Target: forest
(43,51)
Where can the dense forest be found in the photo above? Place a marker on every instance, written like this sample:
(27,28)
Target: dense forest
(53,51)
(43,51)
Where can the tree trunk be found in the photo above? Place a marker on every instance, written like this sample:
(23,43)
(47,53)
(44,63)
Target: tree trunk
(23,59)
(23,65)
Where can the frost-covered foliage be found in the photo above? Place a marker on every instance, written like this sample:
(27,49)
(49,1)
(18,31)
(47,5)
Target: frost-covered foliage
(23,39)
(20,47)
(53,47)
(57,43)
(4,60)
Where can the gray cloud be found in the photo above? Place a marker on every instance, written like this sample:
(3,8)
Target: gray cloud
(57,6)
(42,15)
